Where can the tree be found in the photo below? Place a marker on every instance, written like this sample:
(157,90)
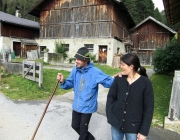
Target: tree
(157,15)
(145,8)
(140,10)
(131,6)
(3,6)
(9,6)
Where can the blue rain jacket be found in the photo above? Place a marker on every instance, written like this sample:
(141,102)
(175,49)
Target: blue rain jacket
(85,83)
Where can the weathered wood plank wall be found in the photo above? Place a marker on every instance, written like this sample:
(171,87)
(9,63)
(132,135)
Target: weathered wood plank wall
(150,36)
(80,19)
(10,30)
(147,38)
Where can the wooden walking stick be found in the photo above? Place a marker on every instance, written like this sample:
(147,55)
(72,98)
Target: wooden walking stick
(45,110)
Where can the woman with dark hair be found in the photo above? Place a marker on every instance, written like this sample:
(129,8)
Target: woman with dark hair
(130,101)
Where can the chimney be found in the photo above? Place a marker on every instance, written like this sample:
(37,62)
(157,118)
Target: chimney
(17,14)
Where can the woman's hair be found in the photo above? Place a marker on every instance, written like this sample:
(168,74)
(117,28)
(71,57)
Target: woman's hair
(132,59)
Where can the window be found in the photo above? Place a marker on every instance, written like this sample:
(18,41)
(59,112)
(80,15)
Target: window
(66,46)
(42,48)
(90,47)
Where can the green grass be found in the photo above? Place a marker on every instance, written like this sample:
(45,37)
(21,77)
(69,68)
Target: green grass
(18,60)
(148,67)
(162,85)
(16,87)
(107,69)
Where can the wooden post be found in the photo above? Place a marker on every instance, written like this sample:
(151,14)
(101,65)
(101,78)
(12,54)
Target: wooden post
(40,74)
(172,114)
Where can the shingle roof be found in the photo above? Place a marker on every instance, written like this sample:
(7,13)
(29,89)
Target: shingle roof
(153,19)
(4,17)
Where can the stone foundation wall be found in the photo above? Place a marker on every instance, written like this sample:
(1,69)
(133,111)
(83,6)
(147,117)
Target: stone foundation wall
(14,68)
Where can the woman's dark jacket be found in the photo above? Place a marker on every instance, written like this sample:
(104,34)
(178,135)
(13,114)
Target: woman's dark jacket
(130,107)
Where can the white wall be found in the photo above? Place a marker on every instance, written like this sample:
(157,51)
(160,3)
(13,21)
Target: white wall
(75,44)
(8,41)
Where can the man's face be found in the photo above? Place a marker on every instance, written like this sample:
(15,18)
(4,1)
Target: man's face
(80,63)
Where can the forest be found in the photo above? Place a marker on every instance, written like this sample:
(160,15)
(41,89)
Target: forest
(139,10)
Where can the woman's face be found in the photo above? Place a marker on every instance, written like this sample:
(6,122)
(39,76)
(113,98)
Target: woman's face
(126,70)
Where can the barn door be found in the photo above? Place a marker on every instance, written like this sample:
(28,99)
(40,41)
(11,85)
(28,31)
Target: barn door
(144,57)
(102,54)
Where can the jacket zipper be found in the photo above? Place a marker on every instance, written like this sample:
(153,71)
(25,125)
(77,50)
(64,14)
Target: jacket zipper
(79,89)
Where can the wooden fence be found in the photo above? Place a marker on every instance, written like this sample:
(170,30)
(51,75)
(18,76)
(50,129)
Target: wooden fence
(33,71)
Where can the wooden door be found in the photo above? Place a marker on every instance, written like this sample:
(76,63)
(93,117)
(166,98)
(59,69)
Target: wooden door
(17,48)
(102,54)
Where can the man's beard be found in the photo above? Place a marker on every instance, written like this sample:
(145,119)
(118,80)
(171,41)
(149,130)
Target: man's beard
(79,66)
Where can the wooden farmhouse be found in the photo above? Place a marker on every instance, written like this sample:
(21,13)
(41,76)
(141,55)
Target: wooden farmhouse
(100,25)
(149,35)
(18,34)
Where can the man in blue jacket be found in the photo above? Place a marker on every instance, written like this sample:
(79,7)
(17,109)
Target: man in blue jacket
(84,78)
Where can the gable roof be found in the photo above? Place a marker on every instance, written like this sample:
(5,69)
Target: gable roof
(156,21)
(7,18)
(172,10)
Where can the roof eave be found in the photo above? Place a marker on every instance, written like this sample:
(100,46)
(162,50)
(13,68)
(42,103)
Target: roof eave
(35,11)
(9,22)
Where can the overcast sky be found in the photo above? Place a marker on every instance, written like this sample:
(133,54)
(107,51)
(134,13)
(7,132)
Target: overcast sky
(158,4)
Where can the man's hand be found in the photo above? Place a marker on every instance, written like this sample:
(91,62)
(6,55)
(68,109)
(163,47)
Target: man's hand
(60,77)
(118,74)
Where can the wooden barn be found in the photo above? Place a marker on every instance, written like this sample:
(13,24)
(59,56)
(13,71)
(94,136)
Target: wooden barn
(149,35)
(100,25)
(18,34)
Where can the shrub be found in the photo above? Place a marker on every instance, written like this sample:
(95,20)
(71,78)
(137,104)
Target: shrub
(59,48)
(72,59)
(92,57)
(167,59)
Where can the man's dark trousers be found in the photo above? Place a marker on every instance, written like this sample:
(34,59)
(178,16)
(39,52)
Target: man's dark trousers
(80,123)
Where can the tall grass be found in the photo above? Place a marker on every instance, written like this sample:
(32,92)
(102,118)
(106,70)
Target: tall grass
(162,85)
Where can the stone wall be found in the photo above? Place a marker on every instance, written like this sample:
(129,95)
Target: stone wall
(54,58)
(14,68)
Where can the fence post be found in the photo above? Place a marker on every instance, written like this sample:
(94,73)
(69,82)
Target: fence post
(40,74)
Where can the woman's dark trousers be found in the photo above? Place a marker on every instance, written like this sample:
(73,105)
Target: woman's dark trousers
(80,123)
